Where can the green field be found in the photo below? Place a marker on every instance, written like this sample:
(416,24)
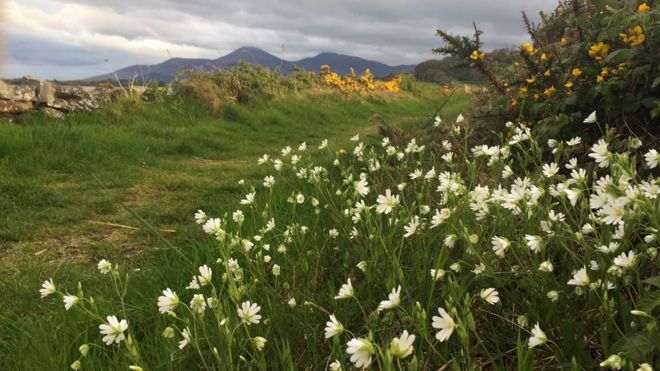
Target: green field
(78,190)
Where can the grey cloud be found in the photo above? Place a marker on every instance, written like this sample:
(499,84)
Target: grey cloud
(394,32)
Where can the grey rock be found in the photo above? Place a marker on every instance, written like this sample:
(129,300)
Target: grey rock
(52,112)
(71,92)
(25,93)
(46,93)
(6,90)
(60,104)
(12,106)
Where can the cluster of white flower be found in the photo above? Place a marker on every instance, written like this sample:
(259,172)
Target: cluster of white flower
(505,227)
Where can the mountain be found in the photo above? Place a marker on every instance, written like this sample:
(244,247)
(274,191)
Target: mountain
(166,71)
(342,64)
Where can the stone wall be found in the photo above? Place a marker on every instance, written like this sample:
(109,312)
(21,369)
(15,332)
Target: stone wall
(28,94)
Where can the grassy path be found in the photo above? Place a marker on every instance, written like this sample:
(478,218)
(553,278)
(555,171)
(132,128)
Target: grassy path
(162,160)
(62,184)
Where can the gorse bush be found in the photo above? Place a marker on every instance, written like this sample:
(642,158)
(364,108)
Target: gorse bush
(241,84)
(390,256)
(586,55)
(246,83)
(354,84)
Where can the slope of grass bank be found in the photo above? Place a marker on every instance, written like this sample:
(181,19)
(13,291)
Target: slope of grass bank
(64,182)
(163,160)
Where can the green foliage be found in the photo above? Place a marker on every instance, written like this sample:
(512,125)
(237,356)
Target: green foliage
(452,241)
(410,84)
(585,56)
(452,69)
(243,83)
(165,161)
(122,107)
(447,71)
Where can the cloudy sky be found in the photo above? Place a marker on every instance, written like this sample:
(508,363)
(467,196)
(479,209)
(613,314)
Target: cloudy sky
(67,39)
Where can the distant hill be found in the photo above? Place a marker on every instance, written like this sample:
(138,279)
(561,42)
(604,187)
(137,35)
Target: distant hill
(451,69)
(166,71)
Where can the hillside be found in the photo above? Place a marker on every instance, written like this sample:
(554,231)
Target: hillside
(450,69)
(167,70)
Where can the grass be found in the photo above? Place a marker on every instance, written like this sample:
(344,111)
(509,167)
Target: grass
(178,155)
(63,184)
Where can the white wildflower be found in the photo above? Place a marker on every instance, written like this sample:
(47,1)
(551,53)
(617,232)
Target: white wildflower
(500,244)
(186,338)
(402,346)
(198,304)
(70,301)
(387,202)
(361,351)
(538,337)
(393,299)
(168,301)
(580,278)
(113,330)
(490,295)
(591,118)
(600,153)
(444,323)
(652,158)
(333,327)
(624,260)
(346,291)
(534,243)
(104,266)
(249,198)
(205,275)
(248,313)
(550,170)
(47,288)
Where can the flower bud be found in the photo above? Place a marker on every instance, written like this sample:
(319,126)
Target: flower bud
(168,333)
(614,362)
(84,349)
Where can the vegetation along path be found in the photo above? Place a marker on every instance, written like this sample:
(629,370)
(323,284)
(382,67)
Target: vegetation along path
(65,183)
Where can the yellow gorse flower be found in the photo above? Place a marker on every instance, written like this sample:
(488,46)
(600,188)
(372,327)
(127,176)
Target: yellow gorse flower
(635,36)
(568,85)
(529,48)
(531,80)
(392,85)
(564,41)
(576,72)
(643,8)
(544,57)
(599,50)
(476,55)
(549,91)
(604,72)
(351,83)
(546,73)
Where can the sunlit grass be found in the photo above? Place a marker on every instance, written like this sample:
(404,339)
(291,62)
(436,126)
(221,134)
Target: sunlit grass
(67,180)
